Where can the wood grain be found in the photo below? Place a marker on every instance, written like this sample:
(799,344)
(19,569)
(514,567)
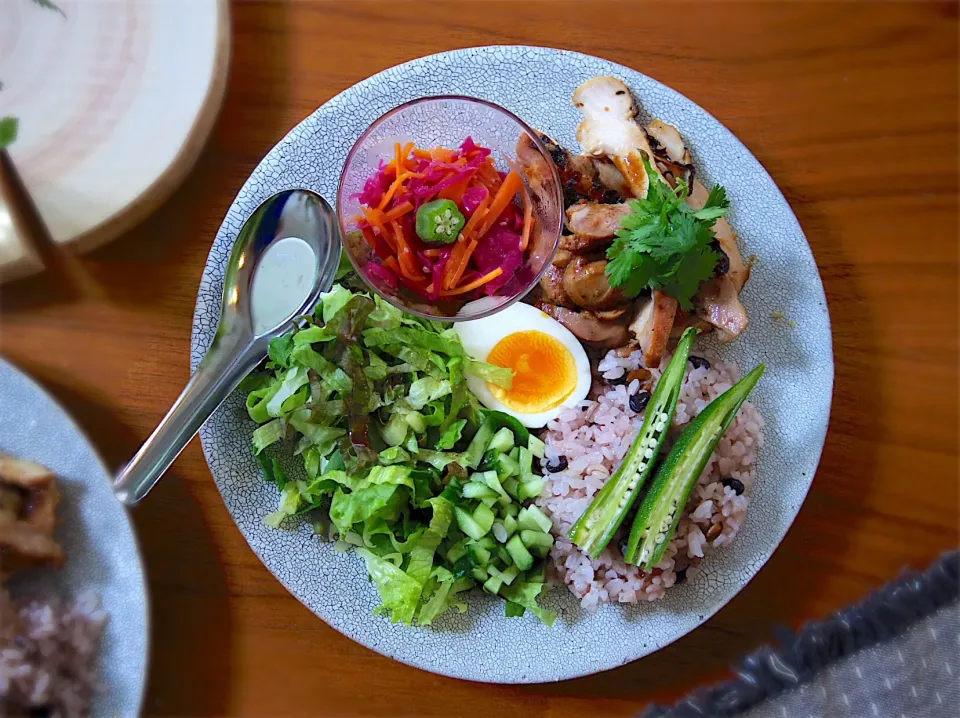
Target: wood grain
(853,109)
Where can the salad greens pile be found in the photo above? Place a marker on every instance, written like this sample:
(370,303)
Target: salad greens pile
(425,484)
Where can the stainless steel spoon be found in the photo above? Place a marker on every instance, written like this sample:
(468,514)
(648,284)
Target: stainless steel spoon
(247,322)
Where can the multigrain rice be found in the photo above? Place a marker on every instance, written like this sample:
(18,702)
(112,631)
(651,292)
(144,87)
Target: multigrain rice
(47,652)
(595,436)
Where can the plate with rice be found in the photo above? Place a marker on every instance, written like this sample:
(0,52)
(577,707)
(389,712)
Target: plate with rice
(73,602)
(496,547)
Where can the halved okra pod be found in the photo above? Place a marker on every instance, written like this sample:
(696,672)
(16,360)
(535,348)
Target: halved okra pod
(660,511)
(595,529)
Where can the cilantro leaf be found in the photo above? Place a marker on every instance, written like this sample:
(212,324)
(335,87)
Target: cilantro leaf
(716,205)
(664,244)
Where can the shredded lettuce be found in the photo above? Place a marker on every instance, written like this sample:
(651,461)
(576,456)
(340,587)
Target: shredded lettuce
(375,403)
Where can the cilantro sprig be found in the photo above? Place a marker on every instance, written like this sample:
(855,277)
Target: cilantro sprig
(664,244)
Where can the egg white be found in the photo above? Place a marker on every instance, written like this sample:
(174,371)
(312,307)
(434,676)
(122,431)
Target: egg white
(480,336)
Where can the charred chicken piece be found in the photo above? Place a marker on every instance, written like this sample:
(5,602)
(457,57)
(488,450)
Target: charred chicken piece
(551,287)
(28,503)
(610,130)
(591,220)
(719,304)
(652,324)
(588,327)
(586,284)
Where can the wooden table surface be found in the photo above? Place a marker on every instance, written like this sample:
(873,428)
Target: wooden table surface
(853,110)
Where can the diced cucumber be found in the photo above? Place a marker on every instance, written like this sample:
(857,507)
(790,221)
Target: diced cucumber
(533,519)
(511,509)
(515,453)
(479,574)
(494,483)
(504,555)
(500,420)
(468,524)
(457,551)
(492,585)
(538,574)
(599,523)
(511,486)
(536,446)
(507,466)
(484,518)
(525,462)
(502,441)
(478,490)
(490,502)
(488,542)
(509,574)
(530,489)
(537,542)
(480,555)
(500,532)
(518,552)
(478,444)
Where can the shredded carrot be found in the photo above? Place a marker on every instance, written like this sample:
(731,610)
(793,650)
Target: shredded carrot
(456,190)
(397,212)
(432,253)
(511,185)
(455,266)
(371,239)
(422,154)
(442,154)
(375,218)
(464,261)
(397,160)
(391,264)
(397,183)
(474,284)
(408,263)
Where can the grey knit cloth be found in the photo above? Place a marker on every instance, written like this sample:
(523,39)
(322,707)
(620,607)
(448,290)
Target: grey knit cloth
(894,655)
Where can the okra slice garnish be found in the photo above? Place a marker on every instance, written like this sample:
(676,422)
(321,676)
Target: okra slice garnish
(595,529)
(660,511)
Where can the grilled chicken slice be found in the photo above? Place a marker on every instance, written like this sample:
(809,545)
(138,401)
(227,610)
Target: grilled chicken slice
(588,327)
(587,285)
(28,502)
(581,177)
(610,130)
(719,304)
(551,287)
(738,271)
(669,138)
(575,244)
(562,257)
(652,325)
(591,220)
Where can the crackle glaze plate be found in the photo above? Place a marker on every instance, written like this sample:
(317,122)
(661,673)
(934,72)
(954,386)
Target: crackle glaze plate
(790,331)
(95,531)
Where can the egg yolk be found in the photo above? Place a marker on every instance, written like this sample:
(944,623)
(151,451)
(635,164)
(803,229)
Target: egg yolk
(545,373)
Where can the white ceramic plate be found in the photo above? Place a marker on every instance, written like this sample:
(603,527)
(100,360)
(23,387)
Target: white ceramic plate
(115,100)
(794,396)
(95,531)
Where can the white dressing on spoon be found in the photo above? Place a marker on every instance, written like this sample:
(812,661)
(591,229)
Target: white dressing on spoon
(282,281)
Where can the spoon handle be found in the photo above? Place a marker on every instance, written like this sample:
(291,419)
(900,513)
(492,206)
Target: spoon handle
(225,365)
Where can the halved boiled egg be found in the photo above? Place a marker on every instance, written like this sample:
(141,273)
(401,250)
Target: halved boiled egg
(550,368)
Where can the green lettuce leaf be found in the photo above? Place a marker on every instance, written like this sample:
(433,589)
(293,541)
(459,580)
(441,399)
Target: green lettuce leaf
(292,380)
(399,594)
(333,301)
(267,434)
(452,435)
(501,376)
